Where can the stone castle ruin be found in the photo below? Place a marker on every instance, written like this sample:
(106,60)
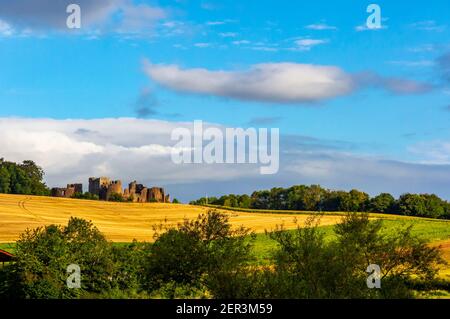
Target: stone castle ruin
(67,192)
(104,188)
(141,194)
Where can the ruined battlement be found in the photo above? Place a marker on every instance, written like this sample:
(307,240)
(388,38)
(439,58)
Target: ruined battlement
(67,192)
(156,194)
(115,187)
(97,185)
(78,188)
(104,188)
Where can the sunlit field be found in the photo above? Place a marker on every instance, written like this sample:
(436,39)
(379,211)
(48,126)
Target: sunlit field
(125,222)
(122,222)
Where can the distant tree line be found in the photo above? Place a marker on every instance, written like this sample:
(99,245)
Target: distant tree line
(25,178)
(316,198)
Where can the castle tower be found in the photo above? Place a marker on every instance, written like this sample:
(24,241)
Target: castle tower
(99,186)
(115,187)
(156,194)
(78,188)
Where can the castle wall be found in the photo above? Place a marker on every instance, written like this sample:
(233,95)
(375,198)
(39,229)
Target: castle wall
(114,187)
(70,191)
(78,188)
(156,194)
(104,188)
(67,192)
(97,185)
(142,195)
(58,192)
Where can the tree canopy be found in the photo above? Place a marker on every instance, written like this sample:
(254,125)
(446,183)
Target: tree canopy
(316,198)
(26,178)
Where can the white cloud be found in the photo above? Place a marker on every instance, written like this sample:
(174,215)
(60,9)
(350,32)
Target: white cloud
(138,18)
(212,23)
(270,82)
(364,27)
(6,29)
(203,45)
(277,82)
(307,44)
(320,27)
(240,42)
(179,46)
(129,149)
(210,6)
(124,148)
(434,152)
(395,85)
(228,34)
(264,48)
(428,25)
(423,48)
(220,22)
(421,63)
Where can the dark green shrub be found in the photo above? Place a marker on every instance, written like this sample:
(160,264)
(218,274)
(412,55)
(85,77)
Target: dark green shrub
(308,266)
(43,255)
(196,251)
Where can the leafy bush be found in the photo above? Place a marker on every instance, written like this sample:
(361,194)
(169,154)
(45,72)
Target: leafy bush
(44,254)
(86,195)
(307,266)
(115,197)
(196,251)
(207,258)
(129,263)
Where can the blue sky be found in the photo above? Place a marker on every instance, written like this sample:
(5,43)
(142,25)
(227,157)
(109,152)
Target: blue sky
(397,107)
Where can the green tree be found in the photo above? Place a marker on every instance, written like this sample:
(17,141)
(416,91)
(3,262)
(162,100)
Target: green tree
(5,180)
(35,175)
(383,203)
(129,263)
(316,198)
(86,195)
(25,178)
(435,207)
(197,251)
(411,205)
(43,255)
(117,198)
(245,201)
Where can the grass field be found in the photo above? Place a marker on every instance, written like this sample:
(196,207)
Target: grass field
(120,222)
(437,232)
(123,222)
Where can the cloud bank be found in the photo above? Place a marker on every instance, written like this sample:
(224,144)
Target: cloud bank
(106,15)
(129,149)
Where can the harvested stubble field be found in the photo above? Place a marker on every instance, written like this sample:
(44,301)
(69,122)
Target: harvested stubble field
(121,222)
(124,222)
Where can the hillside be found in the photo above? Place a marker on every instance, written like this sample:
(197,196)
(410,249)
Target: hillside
(120,222)
(123,222)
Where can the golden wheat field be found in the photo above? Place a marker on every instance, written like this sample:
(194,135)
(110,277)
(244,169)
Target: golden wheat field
(120,222)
